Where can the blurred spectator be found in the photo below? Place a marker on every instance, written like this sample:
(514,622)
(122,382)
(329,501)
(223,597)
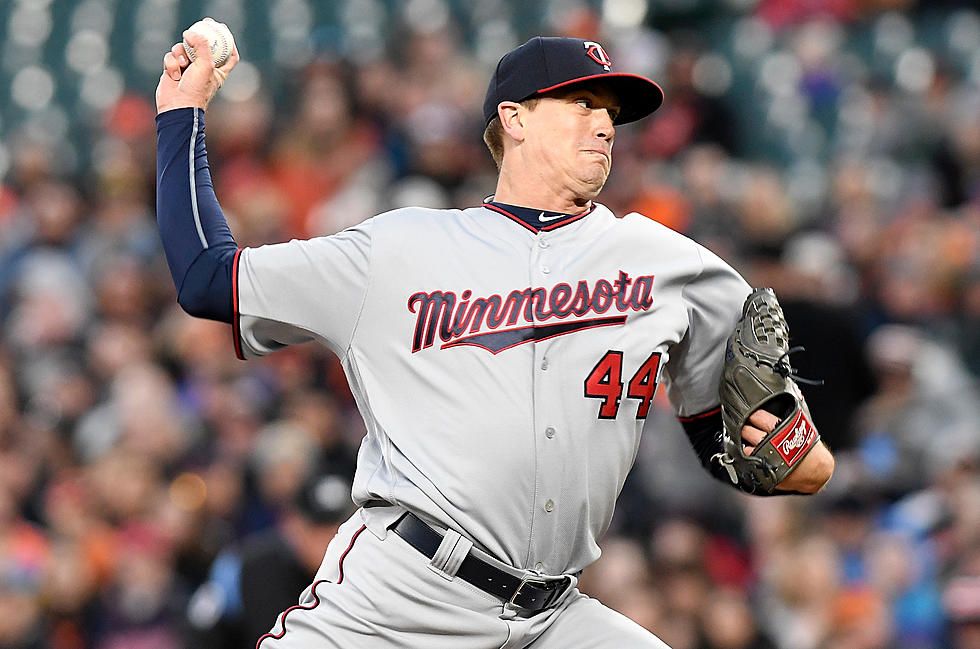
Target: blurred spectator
(25,551)
(961,601)
(727,622)
(322,150)
(689,116)
(250,585)
(967,326)
(141,606)
(923,417)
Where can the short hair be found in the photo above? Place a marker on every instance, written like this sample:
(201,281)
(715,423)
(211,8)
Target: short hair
(493,134)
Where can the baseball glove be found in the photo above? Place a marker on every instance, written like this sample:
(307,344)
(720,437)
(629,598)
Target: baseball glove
(757,374)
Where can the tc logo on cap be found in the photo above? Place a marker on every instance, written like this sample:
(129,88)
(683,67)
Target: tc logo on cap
(597,54)
(546,63)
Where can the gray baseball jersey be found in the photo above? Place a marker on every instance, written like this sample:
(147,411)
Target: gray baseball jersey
(504,372)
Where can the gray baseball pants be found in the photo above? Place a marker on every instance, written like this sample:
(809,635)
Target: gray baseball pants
(374,591)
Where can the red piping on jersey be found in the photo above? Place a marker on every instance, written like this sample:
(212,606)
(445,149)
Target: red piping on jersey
(316,598)
(509,215)
(700,415)
(570,219)
(340,563)
(236,318)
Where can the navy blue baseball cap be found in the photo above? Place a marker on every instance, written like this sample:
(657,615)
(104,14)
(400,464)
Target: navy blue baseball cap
(547,63)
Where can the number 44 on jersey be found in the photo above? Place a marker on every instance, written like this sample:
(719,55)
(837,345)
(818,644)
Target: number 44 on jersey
(605,382)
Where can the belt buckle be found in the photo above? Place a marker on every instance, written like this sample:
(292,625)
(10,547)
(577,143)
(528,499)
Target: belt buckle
(536,580)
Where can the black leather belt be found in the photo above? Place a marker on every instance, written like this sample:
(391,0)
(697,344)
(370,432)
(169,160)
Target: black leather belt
(530,593)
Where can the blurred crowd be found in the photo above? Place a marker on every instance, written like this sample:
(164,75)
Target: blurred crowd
(156,493)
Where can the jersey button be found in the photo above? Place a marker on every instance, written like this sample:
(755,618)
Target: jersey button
(542,243)
(549,506)
(539,566)
(549,432)
(545,270)
(544,364)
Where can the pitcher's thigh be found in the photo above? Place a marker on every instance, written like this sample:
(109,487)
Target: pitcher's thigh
(380,594)
(588,624)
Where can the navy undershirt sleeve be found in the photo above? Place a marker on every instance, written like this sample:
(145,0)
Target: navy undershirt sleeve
(704,431)
(196,238)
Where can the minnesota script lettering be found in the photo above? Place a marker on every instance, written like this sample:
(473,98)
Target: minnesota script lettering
(464,320)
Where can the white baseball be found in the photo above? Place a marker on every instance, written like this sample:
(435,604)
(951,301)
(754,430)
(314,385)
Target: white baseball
(219,38)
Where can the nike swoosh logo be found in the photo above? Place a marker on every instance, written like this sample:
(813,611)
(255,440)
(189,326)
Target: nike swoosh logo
(545,219)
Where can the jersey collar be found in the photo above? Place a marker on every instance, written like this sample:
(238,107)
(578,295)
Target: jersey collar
(535,220)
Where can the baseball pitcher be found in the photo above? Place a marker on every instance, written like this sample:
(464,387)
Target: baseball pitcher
(504,358)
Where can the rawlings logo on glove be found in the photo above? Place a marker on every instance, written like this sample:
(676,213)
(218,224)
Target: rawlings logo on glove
(797,439)
(757,375)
